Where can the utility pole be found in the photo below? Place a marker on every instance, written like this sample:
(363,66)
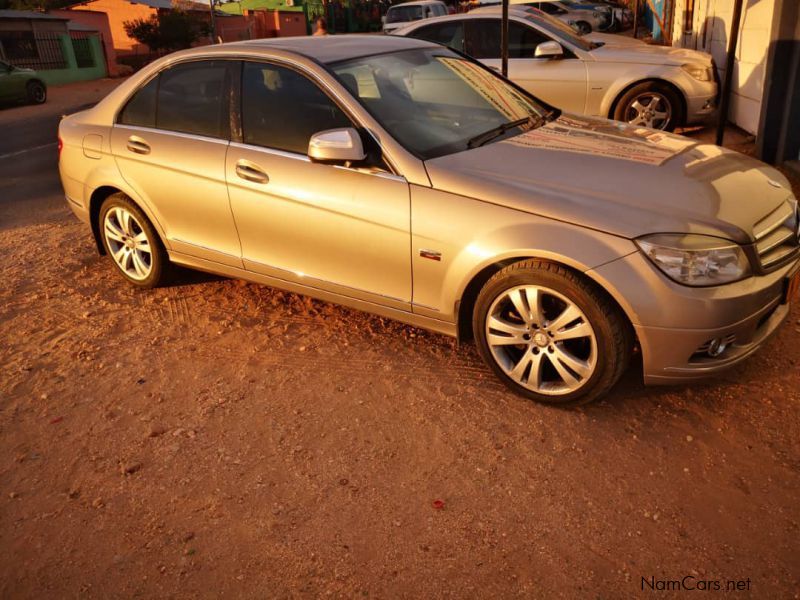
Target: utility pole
(729,60)
(504,40)
(636,19)
(213,33)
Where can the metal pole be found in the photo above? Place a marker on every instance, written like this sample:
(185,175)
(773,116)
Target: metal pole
(729,60)
(504,40)
(213,25)
(636,19)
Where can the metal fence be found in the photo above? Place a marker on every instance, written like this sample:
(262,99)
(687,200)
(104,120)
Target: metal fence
(25,49)
(81,45)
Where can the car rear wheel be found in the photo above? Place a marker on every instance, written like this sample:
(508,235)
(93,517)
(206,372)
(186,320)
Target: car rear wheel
(650,104)
(583,28)
(132,243)
(550,335)
(37,92)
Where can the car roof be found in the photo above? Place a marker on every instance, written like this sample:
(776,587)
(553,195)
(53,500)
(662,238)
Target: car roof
(323,49)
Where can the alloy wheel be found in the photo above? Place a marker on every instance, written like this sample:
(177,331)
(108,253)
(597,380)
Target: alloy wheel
(541,340)
(650,109)
(128,243)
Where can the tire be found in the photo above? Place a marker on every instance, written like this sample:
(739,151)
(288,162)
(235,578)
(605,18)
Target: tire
(583,27)
(37,92)
(133,242)
(552,363)
(645,92)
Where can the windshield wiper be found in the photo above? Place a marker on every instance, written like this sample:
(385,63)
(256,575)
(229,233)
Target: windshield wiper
(486,136)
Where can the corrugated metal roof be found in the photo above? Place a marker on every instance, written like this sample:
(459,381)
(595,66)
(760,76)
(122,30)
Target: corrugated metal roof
(28,14)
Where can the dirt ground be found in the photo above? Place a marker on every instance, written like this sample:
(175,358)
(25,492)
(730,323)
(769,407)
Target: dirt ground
(222,439)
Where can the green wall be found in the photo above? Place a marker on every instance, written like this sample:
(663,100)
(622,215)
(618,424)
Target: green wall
(72,72)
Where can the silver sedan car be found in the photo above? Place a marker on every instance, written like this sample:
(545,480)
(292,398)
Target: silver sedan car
(641,84)
(396,176)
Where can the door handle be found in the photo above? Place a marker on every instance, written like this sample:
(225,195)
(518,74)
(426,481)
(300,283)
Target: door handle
(138,145)
(251,172)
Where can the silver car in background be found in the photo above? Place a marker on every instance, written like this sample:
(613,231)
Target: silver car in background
(644,85)
(396,176)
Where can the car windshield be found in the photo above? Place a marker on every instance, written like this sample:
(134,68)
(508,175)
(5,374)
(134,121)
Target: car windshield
(435,102)
(401,14)
(561,30)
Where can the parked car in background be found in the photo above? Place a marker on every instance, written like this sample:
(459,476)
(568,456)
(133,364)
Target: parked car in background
(17,84)
(621,16)
(584,20)
(649,86)
(408,12)
(399,177)
(613,39)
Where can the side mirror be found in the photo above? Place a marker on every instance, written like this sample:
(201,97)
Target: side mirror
(548,50)
(336,146)
(383,19)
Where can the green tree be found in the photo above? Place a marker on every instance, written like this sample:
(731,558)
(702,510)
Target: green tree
(167,31)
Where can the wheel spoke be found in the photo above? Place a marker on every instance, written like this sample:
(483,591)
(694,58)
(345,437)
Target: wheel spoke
(124,220)
(138,264)
(534,361)
(568,315)
(113,232)
(498,324)
(580,330)
(520,305)
(568,378)
(505,340)
(562,355)
(534,299)
(638,107)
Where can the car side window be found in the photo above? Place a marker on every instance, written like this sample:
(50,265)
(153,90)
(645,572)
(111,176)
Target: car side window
(194,98)
(140,110)
(482,38)
(450,34)
(522,40)
(282,109)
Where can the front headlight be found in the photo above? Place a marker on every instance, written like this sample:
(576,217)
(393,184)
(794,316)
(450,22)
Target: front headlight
(696,260)
(699,72)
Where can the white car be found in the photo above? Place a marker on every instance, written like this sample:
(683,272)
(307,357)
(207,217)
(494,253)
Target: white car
(584,20)
(613,39)
(649,86)
(408,12)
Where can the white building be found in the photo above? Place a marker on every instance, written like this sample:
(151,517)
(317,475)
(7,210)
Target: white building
(766,74)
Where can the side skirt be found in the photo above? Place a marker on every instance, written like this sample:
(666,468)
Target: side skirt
(200,264)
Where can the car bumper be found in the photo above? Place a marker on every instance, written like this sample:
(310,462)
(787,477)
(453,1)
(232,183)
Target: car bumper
(675,324)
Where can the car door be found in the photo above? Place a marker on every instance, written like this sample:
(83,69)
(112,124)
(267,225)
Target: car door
(170,142)
(560,82)
(331,227)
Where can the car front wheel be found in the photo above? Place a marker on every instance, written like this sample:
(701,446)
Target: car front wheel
(650,104)
(132,243)
(37,92)
(549,334)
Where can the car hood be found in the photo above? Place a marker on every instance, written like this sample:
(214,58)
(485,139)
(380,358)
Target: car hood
(617,178)
(649,54)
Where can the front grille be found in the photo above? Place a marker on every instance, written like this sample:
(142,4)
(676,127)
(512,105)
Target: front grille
(777,236)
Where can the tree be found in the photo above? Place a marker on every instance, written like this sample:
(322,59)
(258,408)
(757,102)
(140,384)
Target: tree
(168,30)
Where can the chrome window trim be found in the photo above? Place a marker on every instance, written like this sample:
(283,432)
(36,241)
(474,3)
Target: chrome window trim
(188,136)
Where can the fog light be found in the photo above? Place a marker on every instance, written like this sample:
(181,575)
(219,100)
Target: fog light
(716,347)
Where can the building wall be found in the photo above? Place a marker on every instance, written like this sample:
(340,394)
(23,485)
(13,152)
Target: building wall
(73,72)
(98,22)
(118,12)
(709,30)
